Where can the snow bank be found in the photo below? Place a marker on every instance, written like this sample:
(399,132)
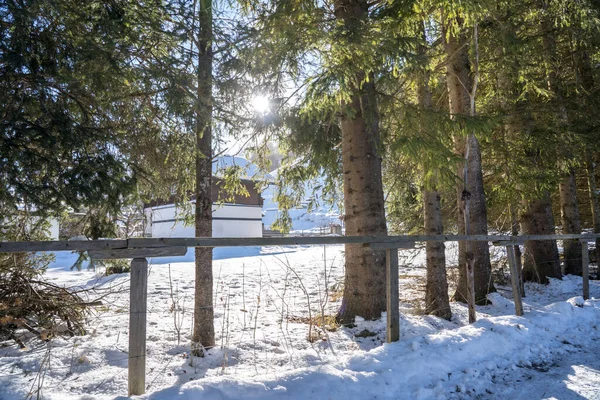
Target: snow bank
(460,363)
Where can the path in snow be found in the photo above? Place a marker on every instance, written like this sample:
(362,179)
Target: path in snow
(576,376)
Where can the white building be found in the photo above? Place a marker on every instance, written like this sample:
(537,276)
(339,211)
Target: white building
(240,218)
(54,229)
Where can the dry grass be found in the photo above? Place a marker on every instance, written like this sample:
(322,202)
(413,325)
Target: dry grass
(336,295)
(412,293)
(319,326)
(327,321)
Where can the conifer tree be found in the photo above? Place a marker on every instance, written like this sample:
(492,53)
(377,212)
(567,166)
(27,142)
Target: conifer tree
(204,331)
(327,46)
(436,290)
(571,222)
(361,163)
(419,154)
(72,78)
(474,258)
(521,181)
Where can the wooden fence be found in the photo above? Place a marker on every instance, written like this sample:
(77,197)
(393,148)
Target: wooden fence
(140,249)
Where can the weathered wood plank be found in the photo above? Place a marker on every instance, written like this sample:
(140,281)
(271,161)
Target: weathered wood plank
(514,279)
(271,241)
(392,296)
(470,265)
(504,243)
(291,241)
(585,269)
(385,246)
(61,245)
(138,296)
(87,245)
(137,253)
(313,240)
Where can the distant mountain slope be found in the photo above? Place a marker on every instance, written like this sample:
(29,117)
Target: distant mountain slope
(251,170)
(302,220)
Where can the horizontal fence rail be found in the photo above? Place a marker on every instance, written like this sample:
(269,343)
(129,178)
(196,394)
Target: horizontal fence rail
(144,243)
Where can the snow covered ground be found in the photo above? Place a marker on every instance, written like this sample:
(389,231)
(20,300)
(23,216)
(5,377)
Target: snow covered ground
(266,349)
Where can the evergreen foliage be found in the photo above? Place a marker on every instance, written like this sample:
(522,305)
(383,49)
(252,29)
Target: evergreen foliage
(79,84)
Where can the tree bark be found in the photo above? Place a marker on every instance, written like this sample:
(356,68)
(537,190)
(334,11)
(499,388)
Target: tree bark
(437,301)
(436,290)
(593,191)
(586,73)
(459,82)
(541,256)
(364,283)
(571,223)
(204,331)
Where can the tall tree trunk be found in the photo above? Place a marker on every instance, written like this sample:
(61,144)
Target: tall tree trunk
(593,190)
(204,331)
(364,283)
(571,223)
(586,74)
(541,256)
(437,301)
(459,82)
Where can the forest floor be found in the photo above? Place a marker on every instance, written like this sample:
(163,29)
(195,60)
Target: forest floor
(267,347)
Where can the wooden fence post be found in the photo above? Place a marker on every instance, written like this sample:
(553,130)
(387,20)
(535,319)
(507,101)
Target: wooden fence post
(138,294)
(392,296)
(585,269)
(470,265)
(514,279)
(520,269)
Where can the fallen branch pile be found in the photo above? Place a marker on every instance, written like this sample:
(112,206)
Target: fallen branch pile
(30,306)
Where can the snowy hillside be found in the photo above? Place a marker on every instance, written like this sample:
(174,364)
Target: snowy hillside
(266,348)
(303,221)
(250,170)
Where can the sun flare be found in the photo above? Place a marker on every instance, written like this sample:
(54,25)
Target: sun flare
(260,104)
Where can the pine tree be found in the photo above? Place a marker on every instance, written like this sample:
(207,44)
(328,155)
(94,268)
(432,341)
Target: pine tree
(67,89)
(204,331)
(361,162)
(568,195)
(461,84)
(436,290)
(326,47)
(521,177)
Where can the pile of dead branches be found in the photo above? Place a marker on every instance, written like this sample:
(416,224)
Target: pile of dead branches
(31,307)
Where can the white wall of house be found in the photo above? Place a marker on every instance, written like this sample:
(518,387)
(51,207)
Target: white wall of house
(52,231)
(54,228)
(229,220)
